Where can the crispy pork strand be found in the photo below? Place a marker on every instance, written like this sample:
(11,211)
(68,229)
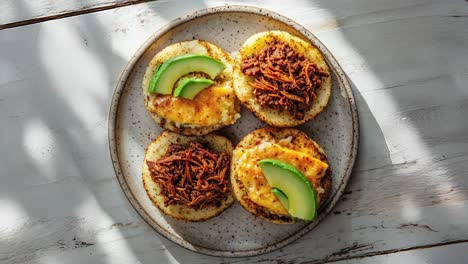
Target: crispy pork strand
(284,79)
(192,176)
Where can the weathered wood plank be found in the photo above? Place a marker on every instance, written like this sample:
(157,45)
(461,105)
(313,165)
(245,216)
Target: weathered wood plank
(16,12)
(449,254)
(59,198)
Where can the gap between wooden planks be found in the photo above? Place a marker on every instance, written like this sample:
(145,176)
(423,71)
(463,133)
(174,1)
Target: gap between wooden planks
(387,252)
(382,252)
(71,13)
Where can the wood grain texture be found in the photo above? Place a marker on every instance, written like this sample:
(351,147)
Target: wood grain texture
(18,13)
(441,254)
(407,62)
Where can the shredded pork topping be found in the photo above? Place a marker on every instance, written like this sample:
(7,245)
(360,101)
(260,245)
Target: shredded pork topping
(284,79)
(192,176)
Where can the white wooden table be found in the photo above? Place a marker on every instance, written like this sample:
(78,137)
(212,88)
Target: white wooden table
(407,200)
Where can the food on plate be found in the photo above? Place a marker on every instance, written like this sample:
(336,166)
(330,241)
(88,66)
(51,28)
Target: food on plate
(281,197)
(190,87)
(187,177)
(291,188)
(281,78)
(213,107)
(169,72)
(289,147)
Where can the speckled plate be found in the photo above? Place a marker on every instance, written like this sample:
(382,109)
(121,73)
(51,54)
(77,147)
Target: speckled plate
(235,232)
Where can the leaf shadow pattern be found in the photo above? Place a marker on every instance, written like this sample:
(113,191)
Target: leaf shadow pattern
(60,184)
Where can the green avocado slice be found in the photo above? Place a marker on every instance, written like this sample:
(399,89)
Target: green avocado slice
(170,71)
(190,87)
(281,197)
(294,185)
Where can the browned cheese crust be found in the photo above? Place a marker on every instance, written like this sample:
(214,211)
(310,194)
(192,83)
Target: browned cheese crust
(301,142)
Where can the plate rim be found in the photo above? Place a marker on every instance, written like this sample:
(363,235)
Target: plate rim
(114,107)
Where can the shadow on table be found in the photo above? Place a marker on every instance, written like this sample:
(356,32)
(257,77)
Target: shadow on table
(78,147)
(413,123)
(52,145)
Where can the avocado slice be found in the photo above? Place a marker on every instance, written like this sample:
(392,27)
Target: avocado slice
(296,187)
(170,71)
(281,197)
(190,87)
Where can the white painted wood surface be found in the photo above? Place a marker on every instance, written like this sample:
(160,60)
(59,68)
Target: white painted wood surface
(12,11)
(442,254)
(407,61)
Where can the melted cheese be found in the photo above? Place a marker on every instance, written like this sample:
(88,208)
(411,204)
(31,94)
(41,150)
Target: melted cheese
(211,106)
(259,191)
(214,106)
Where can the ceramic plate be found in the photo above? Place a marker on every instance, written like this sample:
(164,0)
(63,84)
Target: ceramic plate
(235,232)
